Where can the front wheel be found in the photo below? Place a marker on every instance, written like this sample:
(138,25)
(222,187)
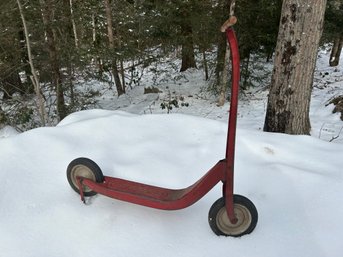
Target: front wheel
(86,168)
(245,212)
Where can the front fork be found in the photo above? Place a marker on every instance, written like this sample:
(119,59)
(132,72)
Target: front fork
(228,195)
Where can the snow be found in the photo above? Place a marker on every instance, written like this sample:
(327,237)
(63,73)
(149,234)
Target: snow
(296,182)
(8,131)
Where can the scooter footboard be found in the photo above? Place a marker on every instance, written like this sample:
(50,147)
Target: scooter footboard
(158,197)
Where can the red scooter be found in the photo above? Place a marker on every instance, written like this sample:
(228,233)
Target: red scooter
(231,215)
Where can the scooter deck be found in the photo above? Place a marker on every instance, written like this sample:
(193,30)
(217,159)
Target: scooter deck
(158,197)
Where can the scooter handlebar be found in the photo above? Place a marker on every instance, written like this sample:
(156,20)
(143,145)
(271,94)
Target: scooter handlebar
(228,23)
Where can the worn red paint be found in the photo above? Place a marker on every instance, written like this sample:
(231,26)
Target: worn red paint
(173,199)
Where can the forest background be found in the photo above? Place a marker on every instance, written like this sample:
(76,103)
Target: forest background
(117,41)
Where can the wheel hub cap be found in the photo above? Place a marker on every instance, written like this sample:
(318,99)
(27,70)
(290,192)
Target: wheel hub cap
(82,171)
(243,220)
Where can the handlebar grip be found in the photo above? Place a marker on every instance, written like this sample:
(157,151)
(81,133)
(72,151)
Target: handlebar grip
(228,23)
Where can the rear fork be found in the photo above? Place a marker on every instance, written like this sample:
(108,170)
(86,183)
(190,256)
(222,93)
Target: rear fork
(80,185)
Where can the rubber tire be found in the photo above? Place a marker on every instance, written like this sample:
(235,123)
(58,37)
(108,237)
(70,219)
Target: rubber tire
(242,205)
(88,166)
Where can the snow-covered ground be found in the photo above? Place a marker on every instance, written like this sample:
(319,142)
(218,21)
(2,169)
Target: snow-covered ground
(296,182)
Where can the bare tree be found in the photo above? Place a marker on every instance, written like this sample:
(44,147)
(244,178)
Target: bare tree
(110,34)
(47,15)
(187,52)
(334,18)
(336,51)
(34,76)
(300,29)
(76,38)
(223,80)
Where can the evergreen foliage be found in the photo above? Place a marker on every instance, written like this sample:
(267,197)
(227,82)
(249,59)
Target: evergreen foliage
(145,31)
(333,20)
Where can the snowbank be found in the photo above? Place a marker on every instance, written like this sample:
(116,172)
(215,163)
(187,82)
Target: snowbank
(296,183)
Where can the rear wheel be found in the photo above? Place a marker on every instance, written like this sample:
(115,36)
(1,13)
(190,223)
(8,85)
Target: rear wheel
(245,212)
(86,168)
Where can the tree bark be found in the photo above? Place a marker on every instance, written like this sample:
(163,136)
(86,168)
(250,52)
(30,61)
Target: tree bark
(110,34)
(300,29)
(76,38)
(96,41)
(336,51)
(204,58)
(47,15)
(11,84)
(224,77)
(34,77)
(188,59)
(25,60)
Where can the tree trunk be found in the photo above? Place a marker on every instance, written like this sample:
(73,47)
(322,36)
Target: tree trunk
(223,78)
(47,15)
(25,60)
(300,29)
(122,73)
(94,23)
(34,77)
(336,51)
(115,72)
(205,64)
(76,38)
(96,41)
(11,84)
(188,60)
(221,50)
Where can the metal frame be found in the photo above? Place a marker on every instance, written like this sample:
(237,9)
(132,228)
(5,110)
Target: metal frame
(173,199)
